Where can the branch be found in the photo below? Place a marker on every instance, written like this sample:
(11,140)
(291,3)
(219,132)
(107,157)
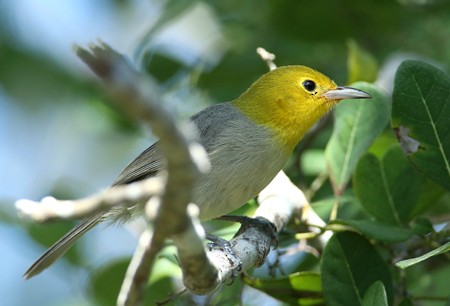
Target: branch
(138,96)
(279,201)
(50,209)
(267,57)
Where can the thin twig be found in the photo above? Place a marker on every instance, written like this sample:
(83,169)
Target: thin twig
(138,270)
(267,57)
(316,184)
(50,209)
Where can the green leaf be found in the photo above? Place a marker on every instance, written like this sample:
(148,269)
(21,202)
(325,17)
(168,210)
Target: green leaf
(376,230)
(350,265)
(409,262)
(375,295)
(312,162)
(106,281)
(430,193)
(357,124)
(388,189)
(105,284)
(361,65)
(349,207)
(406,302)
(420,117)
(302,288)
(422,227)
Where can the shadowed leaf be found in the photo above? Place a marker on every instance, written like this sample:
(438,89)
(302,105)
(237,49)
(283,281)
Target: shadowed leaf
(388,189)
(350,265)
(420,117)
(376,230)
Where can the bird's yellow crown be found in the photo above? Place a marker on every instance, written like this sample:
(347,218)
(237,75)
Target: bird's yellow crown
(289,100)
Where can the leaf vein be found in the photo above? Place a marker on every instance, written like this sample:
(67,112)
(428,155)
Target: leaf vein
(389,196)
(350,147)
(349,270)
(433,126)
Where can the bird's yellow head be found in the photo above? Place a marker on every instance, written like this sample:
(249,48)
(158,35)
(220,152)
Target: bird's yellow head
(290,99)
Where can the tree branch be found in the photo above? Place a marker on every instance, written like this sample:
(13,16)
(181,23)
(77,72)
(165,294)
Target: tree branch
(278,203)
(138,96)
(50,209)
(203,272)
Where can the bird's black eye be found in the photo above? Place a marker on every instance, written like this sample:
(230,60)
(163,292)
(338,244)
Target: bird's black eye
(309,85)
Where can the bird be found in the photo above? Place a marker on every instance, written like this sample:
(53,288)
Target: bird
(247,140)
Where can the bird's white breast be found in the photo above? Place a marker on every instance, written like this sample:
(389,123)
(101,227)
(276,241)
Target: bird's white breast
(244,158)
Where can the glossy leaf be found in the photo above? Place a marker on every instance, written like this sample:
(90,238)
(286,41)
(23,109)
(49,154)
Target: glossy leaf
(375,295)
(357,124)
(361,65)
(410,262)
(387,189)
(420,117)
(350,265)
(302,288)
(376,230)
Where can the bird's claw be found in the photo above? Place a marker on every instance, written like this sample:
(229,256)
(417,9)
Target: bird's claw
(223,245)
(260,222)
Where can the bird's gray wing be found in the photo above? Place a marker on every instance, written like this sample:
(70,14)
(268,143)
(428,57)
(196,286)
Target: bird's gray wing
(146,164)
(210,122)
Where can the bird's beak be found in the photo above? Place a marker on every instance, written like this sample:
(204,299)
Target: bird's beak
(342,92)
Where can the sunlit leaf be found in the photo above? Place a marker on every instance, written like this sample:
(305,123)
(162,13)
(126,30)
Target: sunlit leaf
(420,117)
(357,124)
(361,65)
(302,288)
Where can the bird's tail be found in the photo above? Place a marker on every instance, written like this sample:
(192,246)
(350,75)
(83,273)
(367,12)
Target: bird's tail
(62,246)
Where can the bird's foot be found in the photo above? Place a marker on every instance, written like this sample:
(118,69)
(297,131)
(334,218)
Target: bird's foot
(259,222)
(223,245)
